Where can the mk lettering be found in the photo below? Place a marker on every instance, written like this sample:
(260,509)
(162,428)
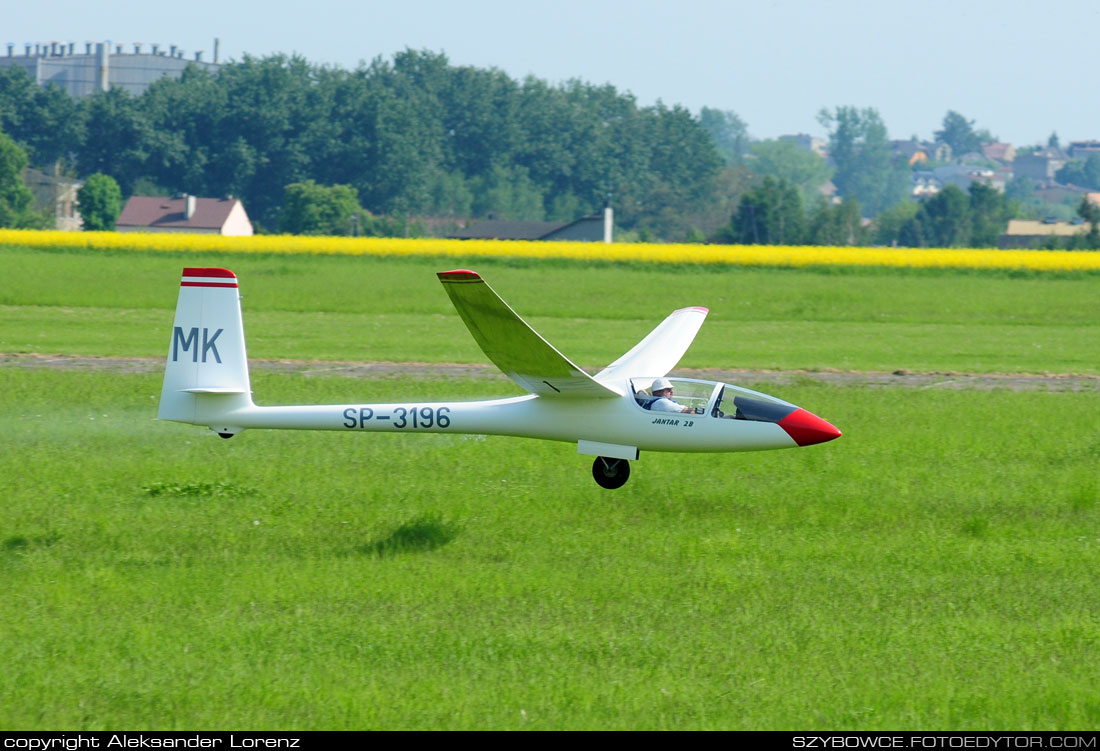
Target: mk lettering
(190,342)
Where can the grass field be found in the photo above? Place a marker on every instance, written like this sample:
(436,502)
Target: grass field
(943,575)
(341,308)
(936,568)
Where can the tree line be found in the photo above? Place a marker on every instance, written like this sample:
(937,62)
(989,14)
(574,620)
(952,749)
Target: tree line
(324,150)
(414,136)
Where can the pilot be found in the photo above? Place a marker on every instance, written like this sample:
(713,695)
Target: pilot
(662,390)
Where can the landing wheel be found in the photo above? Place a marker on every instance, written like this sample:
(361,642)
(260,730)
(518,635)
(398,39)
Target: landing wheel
(610,473)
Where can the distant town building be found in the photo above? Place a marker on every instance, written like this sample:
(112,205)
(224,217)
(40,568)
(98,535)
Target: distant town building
(1052,192)
(961,175)
(1031,233)
(1083,149)
(972,157)
(594,228)
(920,152)
(910,151)
(207,216)
(1040,165)
(55,196)
(925,184)
(102,65)
(938,151)
(999,152)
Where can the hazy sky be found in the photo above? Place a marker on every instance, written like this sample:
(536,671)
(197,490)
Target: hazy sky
(1020,69)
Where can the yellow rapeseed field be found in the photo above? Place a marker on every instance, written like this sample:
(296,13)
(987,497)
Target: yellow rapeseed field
(741,255)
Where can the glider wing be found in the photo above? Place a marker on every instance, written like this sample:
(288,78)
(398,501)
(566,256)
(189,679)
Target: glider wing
(662,348)
(515,347)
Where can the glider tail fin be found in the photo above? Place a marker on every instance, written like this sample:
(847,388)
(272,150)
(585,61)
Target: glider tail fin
(206,373)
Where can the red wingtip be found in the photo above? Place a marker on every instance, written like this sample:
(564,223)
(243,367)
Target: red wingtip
(218,273)
(458,275)
(807,428)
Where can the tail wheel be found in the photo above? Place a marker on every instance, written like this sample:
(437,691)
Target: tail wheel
(610,473)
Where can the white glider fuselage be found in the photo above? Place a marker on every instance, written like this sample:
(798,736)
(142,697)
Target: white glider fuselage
(621,421)
(613,415)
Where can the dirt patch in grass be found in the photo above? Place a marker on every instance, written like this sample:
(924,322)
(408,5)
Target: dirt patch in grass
(895,379)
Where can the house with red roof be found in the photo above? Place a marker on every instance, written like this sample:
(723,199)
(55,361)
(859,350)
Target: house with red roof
(208,216)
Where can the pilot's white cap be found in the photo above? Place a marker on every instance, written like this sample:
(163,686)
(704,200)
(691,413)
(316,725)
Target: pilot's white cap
(659,384)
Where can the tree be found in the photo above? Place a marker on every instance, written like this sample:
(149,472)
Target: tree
(836,225)
(785,160)
(681,170)
(276,110)
(949,219)
(769,214)
(312,209)
(911,233)
(1020,188)
(16,199)
(450,195)
(730,133)
(412,135)
(120,141)
(508,193)
(1082,172)
(100,201)
(990,211)
(1090,212)
(192,144)
(44,121)
(889,223)
(708,216)
(945,219)
(860,150)
(959,134)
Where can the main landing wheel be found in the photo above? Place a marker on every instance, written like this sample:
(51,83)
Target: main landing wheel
(610,473)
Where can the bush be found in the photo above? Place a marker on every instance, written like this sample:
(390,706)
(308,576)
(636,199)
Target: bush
(100,203)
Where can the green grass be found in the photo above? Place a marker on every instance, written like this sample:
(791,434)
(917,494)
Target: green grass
(936,568)
(342,308)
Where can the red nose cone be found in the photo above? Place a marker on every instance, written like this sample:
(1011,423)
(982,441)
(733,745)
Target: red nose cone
(807,428)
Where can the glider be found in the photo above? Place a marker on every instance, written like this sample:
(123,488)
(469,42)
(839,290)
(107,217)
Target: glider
(613,415)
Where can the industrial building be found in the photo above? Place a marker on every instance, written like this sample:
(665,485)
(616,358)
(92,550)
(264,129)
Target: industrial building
(594,228)
(102,65)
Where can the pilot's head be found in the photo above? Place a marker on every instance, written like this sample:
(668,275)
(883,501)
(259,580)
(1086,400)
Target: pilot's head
(661,387)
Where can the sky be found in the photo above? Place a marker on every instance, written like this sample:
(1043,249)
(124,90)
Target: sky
(1018,68)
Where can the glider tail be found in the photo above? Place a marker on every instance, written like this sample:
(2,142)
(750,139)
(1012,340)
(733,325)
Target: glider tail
(206,373)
